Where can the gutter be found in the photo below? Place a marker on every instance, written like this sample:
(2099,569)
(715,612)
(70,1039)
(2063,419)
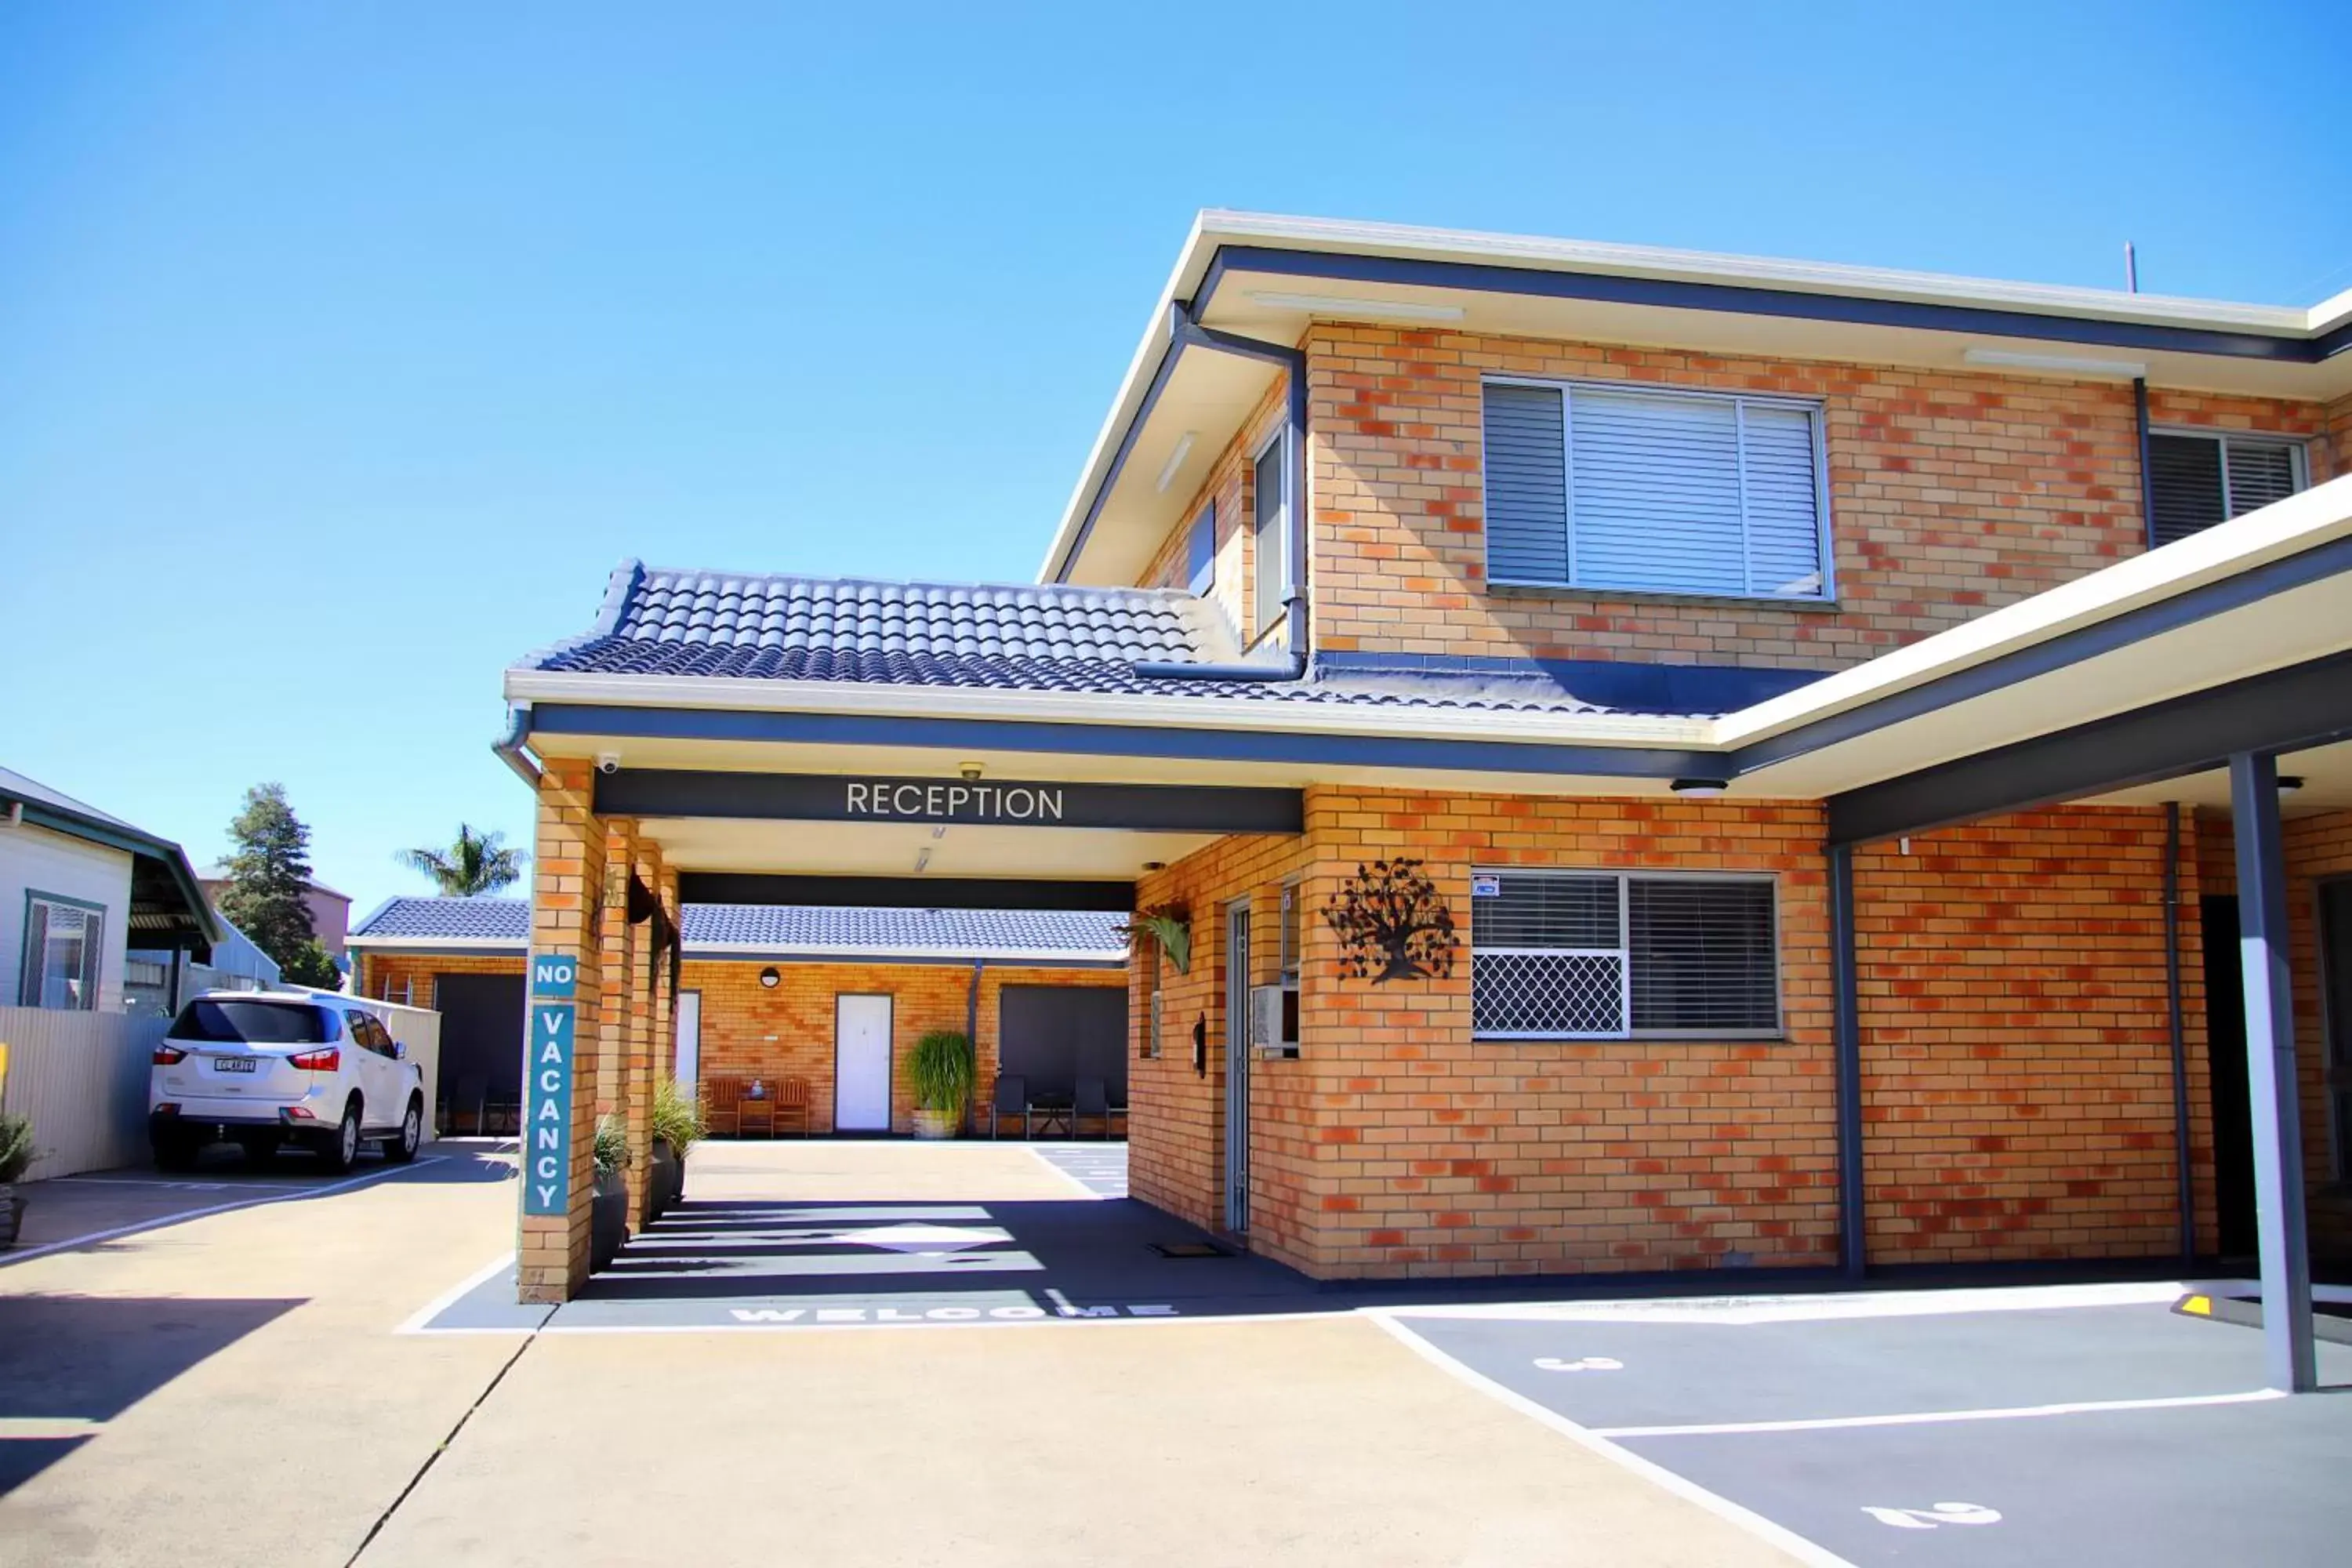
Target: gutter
(1185,331)
(512,748)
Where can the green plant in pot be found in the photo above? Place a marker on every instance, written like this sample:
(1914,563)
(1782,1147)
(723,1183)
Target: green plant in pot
(17,1156)
(608,1214)
(942,1071)
(677,1126)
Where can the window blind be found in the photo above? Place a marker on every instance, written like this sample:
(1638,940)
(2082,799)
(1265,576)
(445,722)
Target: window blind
(1579,954)
(1659,492)
(1269,527)
(2196,481)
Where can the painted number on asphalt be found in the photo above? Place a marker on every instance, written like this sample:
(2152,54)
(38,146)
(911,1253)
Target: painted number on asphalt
(1584,1363)
(1929,1517)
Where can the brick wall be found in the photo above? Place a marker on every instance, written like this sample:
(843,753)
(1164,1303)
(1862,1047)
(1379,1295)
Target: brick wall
(2318,848)
(1951,494)
(409,977)
(788,1031)
(1231,486)
(2017,1096)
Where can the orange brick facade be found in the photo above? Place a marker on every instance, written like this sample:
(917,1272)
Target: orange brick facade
(2014,1008)
(1950,494)
(787,1030)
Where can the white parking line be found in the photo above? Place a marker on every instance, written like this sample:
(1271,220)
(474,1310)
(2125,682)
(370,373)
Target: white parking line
(1744,1309)
(27,1255)
(99,1179)
(1932,1417)
(1077,1185)
(443,1301)
(1723,1508)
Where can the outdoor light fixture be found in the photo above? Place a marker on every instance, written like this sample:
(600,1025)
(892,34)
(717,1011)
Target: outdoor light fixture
(1155,865)
(2065,364)
(2289,782)
(1343,305)
(769,978)
(971,771)
(1175,460)
(1700,789)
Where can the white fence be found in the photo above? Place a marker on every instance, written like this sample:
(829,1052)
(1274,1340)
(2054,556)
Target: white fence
(82,1078)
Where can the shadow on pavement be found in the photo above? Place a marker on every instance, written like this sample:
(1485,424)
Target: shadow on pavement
(88,1358)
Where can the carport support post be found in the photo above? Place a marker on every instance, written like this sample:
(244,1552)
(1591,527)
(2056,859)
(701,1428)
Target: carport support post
(2287,1349)
(1847,1029)
(567,870)
(621,1038)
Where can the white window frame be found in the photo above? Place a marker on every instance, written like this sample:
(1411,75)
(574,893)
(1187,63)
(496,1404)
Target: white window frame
(1264,624)
(1816,412)
(1623,953)
(33,972)
(2298,451)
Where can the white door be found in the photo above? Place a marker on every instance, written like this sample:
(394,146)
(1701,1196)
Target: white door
(689,1043)
(861,1064)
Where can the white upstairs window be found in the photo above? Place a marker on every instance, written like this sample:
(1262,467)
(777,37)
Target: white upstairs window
(1639,490)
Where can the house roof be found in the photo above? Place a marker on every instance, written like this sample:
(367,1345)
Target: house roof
(1057,638)
(776,930)
(218,872)
(168,908)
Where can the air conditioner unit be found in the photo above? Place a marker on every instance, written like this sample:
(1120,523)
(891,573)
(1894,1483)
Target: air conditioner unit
(1274,1020)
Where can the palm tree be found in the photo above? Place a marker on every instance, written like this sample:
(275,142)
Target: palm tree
(477,863)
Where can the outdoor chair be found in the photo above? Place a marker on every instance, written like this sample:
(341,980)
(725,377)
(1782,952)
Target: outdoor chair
(1010,1098)
(721,1097)
(791,1105)
(502,1111)
(1091,1101)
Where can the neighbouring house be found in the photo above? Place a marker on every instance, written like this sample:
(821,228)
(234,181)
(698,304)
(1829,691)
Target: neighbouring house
(80,891)
(331,912)
(1656,761)
(836,997)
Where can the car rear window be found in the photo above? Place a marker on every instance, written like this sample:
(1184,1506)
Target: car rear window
(254,1024)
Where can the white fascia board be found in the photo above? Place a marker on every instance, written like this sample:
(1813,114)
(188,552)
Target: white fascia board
(2300,522)
(1752,271)
(742,694)
(1030,958)
(431,944)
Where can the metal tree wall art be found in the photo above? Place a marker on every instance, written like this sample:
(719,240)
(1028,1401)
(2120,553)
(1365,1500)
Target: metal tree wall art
(1392,923)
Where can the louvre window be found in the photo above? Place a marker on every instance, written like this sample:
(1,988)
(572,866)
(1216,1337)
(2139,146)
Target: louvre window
(2196,481)
(1569,954)
(1654,492)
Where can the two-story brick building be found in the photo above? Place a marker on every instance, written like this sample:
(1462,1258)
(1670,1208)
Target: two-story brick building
(1662,761)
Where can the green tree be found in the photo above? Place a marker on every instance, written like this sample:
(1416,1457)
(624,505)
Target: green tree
(267,873)
(477,863)
(313,965)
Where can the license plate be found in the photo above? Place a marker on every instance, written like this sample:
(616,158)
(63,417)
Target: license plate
(234,1064)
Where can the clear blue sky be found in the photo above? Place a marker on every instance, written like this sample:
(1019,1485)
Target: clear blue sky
(344,349)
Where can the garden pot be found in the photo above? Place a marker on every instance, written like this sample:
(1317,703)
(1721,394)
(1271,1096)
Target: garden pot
(661,1180)
(936,1123)
(608,1219)
(12,1214)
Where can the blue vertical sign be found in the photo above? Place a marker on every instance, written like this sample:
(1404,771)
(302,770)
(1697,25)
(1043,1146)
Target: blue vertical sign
(547,1087)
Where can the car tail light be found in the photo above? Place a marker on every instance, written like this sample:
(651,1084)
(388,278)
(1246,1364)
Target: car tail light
(299,1114)
(326,1060)
(169,1056)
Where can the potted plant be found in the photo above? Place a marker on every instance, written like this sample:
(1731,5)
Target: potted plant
(16,1154)
(942,1070)
(677,1126)
(608,1214)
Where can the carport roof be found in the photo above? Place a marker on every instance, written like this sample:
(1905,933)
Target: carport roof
(1059,638)
(723,931)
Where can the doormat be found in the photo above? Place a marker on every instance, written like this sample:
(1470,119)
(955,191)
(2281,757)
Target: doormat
(1188,1249)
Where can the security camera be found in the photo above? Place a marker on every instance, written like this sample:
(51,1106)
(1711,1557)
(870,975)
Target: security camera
(608,761)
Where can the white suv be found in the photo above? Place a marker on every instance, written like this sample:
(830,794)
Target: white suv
(265,1067)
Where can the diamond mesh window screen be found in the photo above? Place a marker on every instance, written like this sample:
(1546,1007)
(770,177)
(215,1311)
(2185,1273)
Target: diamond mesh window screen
(1557,955)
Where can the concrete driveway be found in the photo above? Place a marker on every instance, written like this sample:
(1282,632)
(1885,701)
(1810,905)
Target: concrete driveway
(234,1387)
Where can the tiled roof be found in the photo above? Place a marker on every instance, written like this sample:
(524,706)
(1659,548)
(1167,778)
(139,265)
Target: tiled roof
(1049,638)
(778,928)
(449,920)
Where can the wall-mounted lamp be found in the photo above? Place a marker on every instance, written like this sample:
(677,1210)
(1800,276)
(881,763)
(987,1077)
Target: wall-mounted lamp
(1700,789)
(1155,865)
(768,978)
